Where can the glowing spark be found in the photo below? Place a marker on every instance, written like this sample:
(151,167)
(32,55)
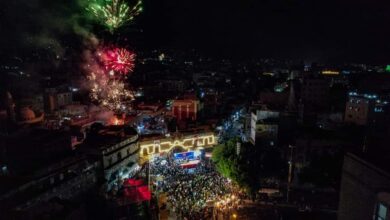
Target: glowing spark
(105,68)
(114,13)
(112,94)
(119,60)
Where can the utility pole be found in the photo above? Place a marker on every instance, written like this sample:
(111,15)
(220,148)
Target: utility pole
(290,172)
(364,144)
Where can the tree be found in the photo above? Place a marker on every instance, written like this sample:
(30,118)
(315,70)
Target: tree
(247,169)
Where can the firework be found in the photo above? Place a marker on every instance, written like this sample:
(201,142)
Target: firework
(112,94)
(114,13)
(102,65)
(118,60)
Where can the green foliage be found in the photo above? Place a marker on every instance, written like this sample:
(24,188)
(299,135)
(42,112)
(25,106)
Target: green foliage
(249,167)
(224,156)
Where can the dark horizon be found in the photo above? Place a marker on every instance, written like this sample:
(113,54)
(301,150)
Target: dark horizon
(324,31)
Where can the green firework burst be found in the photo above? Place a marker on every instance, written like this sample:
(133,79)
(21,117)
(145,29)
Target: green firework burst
(114,13)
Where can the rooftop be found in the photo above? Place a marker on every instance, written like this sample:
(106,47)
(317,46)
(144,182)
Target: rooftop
(378,162)
(105,137)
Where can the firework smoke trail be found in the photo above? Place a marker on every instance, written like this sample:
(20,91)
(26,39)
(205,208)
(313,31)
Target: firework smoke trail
(114,13)
(106,89)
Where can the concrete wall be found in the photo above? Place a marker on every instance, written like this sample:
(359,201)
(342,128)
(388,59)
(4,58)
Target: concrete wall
(361,182)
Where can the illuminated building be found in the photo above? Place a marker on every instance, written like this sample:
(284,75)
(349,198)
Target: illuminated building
(264,126)
(364,109)
(186,109)
(117,149)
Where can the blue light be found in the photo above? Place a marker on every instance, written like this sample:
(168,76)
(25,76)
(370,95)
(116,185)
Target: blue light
(378,109)
(140,127)
(345,72)
(185,155)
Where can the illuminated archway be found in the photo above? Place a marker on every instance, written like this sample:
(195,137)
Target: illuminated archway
(187,142)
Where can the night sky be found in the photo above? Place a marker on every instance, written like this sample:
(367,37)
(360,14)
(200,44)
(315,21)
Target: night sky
(310,30)
(323,30)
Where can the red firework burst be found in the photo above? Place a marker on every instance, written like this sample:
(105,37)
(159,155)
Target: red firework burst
(119,59)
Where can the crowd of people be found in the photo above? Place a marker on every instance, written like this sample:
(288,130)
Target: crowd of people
(189,191)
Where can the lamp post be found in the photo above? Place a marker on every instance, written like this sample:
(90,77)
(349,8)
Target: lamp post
(290,172)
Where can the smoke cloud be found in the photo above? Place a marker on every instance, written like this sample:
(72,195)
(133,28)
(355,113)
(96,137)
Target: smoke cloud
(42,25)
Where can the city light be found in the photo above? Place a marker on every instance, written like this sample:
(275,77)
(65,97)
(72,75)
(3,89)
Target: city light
(330,72)
(387,68)
(227,204)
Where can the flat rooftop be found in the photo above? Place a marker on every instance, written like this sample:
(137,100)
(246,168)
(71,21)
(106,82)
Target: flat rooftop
(108,136)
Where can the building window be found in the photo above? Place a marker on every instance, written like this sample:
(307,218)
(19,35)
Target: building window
(381,212)
(119,156)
